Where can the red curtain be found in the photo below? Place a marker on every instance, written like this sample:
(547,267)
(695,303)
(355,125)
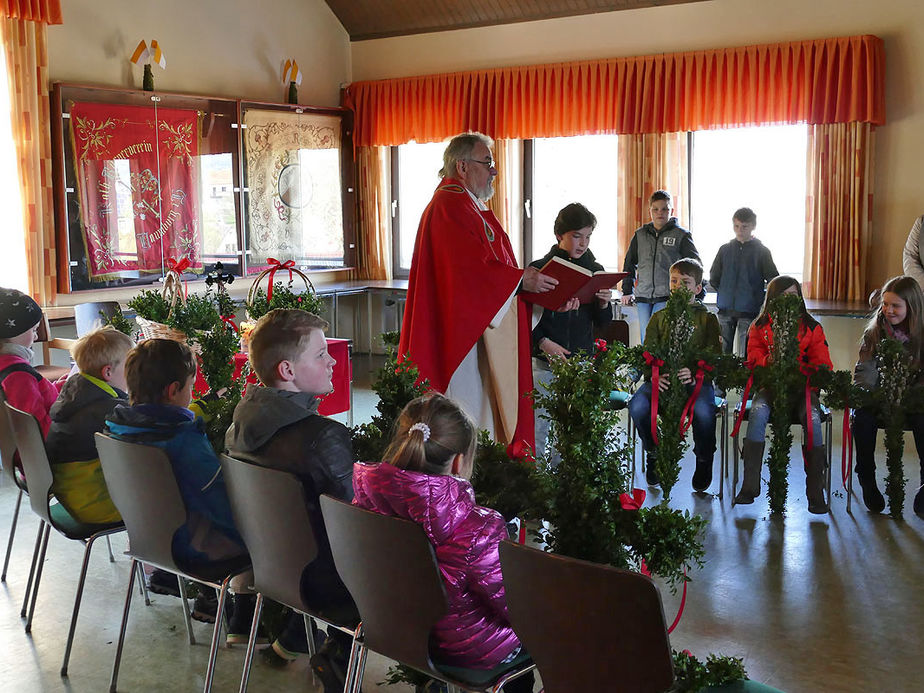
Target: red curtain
(45,11)
(817,82)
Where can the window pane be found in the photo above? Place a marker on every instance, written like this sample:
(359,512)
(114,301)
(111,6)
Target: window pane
(418,175)
(761,168)
(575,169)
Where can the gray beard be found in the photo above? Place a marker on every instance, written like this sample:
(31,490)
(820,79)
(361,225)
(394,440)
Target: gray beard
(486,193)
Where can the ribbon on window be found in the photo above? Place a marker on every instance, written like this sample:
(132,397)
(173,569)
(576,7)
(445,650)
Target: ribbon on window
(744,398)
(275,266)
(686,418)
(655,364)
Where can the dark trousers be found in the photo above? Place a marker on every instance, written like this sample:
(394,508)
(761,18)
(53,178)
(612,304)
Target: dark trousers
(865,428)
(703,419)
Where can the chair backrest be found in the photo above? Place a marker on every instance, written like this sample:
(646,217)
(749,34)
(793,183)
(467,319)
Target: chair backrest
(389,567)
(269,512)
(586,626)
(87,315)
(613,331)
(143,487)
(34,459)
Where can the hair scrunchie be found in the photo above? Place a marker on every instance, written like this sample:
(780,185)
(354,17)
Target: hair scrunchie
(423,428)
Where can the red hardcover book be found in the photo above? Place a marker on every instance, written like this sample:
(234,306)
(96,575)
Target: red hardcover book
(573,281)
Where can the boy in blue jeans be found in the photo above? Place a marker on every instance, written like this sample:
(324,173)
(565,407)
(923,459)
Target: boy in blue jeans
(687,273)
(739,275)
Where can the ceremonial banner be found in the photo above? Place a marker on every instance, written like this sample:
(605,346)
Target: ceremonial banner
(138,183)
(293,174)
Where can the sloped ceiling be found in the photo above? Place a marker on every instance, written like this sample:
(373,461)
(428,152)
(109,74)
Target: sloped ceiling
(369,19)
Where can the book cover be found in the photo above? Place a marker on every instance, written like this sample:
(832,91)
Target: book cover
(573,281)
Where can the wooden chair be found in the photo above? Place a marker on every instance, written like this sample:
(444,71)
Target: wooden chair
(270,513)
(38,474)
(48,371)
(387,562)
(588,627)
(144,489)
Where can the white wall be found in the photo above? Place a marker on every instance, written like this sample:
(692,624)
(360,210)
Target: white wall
(228,48)
(704,25)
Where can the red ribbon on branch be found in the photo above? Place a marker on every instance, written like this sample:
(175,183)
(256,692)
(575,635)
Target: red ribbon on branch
(228,321)
(275,266)
(686,418)
(807,369)
(632,501)
(683,603)
(846,448)
(744,398)
(655,364)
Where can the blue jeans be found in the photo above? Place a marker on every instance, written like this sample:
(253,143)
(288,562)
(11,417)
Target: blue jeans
(645,311)
(727,327)
(703,419)
(759,417)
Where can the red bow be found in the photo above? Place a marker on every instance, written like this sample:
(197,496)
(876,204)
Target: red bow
(275,266)
(655,364)
(178,266)
(600,345)
(633,501)
(744,398)
(228,321)
(686,418)
(520,451)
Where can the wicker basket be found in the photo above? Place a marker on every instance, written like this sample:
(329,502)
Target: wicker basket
(270,271)
(173,292)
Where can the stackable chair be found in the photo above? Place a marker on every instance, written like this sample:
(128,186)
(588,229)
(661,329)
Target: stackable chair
(390,568)
(826,426)
(142,486)
(270,513)
(89,316)
(38,472)
(7,452)
(47,342)
(588,627)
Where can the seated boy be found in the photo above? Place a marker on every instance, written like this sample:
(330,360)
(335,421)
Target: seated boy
(23,386)
(160,374)
(570,329)
(686,273)
(739,275)
(279,426)
(80,412)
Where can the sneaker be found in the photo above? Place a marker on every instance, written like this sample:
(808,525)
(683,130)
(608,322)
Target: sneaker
(702,477)
(205,606)
(651,475)
(162,582)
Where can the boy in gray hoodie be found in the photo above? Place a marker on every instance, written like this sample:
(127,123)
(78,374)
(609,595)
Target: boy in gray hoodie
(278,426)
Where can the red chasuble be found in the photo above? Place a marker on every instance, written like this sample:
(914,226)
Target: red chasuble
(462,273)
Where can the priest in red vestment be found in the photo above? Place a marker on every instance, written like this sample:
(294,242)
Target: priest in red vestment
(464,325)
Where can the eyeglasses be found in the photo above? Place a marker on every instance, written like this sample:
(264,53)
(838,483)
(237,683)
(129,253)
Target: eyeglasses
(489,163)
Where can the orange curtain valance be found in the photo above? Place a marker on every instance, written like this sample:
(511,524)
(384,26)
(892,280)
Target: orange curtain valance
(45,11)
(836,80)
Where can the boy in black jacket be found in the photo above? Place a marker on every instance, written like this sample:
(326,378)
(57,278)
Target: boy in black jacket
(569,329)
(739,275)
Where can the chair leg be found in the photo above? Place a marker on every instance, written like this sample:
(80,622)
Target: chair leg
(734,488)
(252,642)
(35,552)
(38,578)
(216,633)
(312,647)
(143,589)
(113,681)
(9,544)
(830,444)
(109,546)
(80,585)
(189,631)
(354,676)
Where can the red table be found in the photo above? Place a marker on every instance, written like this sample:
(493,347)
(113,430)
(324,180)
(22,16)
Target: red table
(337,401)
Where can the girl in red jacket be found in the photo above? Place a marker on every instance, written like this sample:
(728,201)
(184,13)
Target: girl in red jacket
(813,351)
(425,479)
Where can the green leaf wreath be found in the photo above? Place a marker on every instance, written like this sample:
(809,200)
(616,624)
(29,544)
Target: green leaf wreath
(283,297)
(895,374)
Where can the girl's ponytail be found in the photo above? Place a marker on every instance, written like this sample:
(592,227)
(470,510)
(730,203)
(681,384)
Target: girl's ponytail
(429,433)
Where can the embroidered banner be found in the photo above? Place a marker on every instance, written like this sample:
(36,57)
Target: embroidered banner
(293,174)
(138,183)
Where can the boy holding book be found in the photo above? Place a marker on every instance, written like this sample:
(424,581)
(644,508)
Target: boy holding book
(569,329)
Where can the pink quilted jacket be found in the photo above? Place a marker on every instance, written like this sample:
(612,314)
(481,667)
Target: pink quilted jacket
(474,632)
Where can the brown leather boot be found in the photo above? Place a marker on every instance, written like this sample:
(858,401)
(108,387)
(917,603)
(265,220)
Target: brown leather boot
(815,464)
(753,455)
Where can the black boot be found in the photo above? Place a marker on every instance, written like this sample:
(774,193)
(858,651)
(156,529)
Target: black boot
(872,497)
(651,474)
(815,465)
(752,454)
(702,476)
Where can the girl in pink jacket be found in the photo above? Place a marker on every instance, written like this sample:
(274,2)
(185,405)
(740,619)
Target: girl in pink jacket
(425,479)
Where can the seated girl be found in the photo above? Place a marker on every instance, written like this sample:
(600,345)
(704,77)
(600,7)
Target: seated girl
(425,479)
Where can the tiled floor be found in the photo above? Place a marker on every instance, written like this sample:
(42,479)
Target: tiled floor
(813,603)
